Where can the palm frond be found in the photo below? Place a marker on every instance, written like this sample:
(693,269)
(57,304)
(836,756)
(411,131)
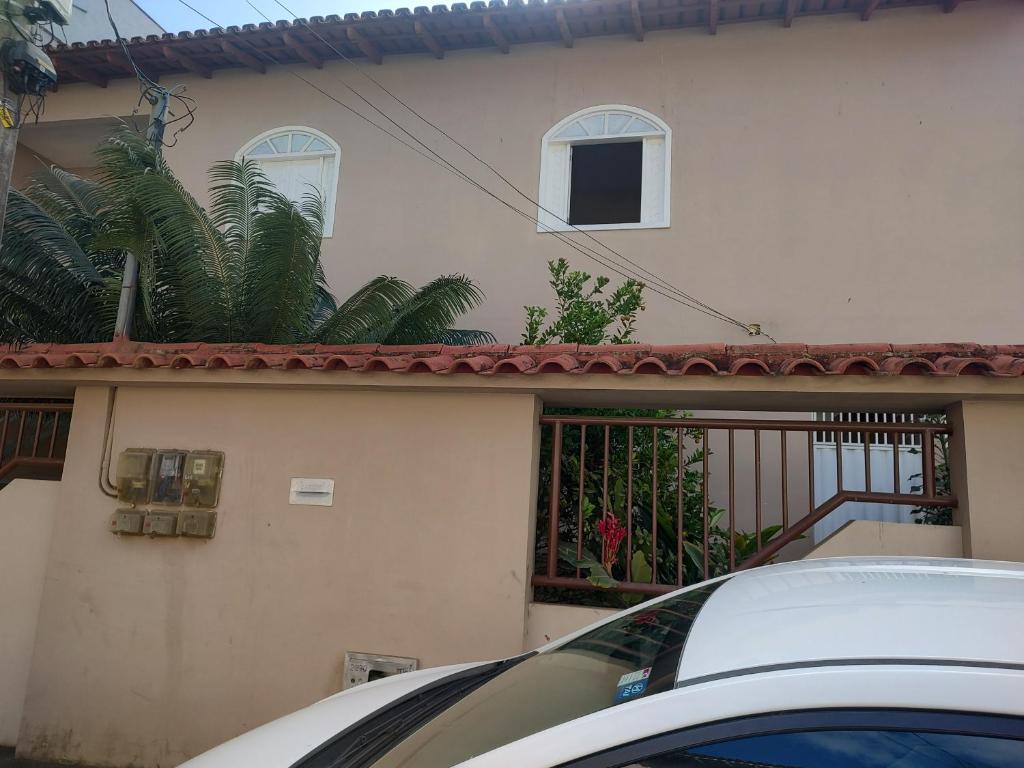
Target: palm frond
(430,314)
(75,202)
(190,258)
(49,288)
(249,270)
(239,191)
(362,315)
(466,337)
(285,278)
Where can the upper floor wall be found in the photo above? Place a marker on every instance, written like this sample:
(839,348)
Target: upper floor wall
(837,181)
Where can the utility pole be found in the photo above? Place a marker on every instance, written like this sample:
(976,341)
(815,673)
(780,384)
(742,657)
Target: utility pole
(159,102)
(25,71)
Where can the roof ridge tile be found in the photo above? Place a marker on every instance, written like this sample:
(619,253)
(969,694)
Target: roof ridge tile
(955,359)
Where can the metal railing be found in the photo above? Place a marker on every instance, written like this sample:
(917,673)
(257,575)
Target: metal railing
(646,483)
(33,439)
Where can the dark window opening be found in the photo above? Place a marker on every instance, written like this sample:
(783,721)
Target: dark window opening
(605,183)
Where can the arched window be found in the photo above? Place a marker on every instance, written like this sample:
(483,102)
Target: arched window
(606,167)
(297,159)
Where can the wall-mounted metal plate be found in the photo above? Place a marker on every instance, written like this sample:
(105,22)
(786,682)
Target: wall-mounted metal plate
(127,522)
(311,491)
(365,667)
(197,523)
(160,524)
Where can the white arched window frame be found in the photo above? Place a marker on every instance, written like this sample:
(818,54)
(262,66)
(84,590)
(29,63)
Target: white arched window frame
(296,158)
(601,125)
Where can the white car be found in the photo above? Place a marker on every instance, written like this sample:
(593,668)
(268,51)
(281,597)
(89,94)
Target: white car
(835,663)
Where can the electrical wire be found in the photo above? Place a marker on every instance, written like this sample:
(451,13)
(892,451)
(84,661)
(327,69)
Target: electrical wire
(151,90)
(197,12)
(430,154)
(664,283)
(594,255)
(662,288)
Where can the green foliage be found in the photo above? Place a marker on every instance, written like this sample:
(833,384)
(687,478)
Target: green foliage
(632,499)
(597,574)
(943,484)
(585,315)
(651,513)
(246,270)
(634,491)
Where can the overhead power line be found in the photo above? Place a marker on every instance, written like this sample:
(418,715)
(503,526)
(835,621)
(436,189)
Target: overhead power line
(153,92)
(660,287)
(652,276)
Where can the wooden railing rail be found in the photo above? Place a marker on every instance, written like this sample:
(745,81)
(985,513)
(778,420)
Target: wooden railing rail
(644,483)
(33,439)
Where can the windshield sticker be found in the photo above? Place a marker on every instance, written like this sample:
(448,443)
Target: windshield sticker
(635,677)
(632,685)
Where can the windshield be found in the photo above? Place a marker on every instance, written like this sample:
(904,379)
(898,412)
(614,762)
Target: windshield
(631,657)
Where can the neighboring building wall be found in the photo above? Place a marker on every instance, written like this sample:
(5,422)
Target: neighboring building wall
(987,458)
(150,651)
(27,512)
(89,22)
(837,181)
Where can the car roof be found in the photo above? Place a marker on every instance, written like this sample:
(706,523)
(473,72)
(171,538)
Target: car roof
(842,611)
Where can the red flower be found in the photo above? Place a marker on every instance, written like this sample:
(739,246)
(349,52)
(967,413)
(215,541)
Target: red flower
(647,617)
(612,534)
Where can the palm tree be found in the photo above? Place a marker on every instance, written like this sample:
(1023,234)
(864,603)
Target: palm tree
(247,270)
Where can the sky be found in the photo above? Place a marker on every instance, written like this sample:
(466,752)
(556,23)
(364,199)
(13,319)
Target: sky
(175,17)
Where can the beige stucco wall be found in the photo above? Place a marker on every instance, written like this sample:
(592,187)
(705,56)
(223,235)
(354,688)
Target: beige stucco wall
(149,651)
(27,512)
(546,621)
(987,462)
(836,181)
(870,537)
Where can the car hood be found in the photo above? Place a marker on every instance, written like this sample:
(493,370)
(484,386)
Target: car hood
(280,743)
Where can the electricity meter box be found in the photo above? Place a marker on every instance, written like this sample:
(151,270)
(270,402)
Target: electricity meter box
(168,477)
(202,478)
(134,470)
(197,523)
(160,524)
(127,522)
(366,667)
(57,11)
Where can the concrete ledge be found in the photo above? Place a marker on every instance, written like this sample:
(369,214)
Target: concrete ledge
(870,537)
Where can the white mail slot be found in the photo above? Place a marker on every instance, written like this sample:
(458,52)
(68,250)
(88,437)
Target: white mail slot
(312,491)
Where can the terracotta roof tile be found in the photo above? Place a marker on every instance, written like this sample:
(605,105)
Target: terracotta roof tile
(390,33)
(499,359)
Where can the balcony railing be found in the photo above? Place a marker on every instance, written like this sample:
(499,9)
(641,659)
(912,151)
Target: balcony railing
(646,505)
(33,439)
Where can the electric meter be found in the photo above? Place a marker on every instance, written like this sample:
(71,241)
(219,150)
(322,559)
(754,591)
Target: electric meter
(160,524)
(168,474)
(127,522)
(197,523)
(202,478)
(133,476)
